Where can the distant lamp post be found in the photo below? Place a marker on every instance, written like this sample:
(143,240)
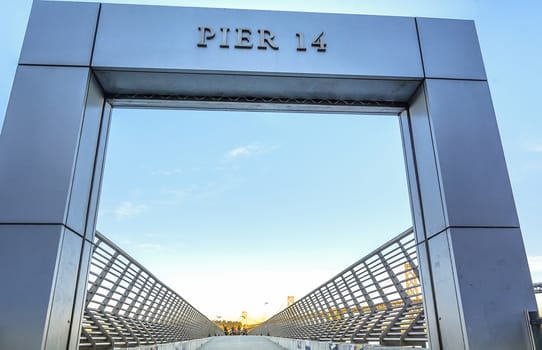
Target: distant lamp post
(266,317)
(244,316)
(218,317)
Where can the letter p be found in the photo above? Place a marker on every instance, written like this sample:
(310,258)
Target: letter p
(205,33)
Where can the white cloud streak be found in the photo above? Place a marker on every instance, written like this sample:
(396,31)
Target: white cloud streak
(129,209)
(149,246)
(248,151)
(533,146)
(178,193)
(243,151)
(167,172)
(535,263)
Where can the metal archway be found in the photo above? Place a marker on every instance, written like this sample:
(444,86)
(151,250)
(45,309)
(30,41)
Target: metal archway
(79,60)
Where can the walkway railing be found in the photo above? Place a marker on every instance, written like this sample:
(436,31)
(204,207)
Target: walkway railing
(376,299)
(127,306)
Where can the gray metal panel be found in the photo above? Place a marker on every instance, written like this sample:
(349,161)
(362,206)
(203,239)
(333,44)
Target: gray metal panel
(450,49)
(97,175)
(495,286)
(64,292)
(473,175)
(410,167)
(254,85)
(263,104)
(166,38)
(39,142)
(429,307)
(86,156)
(60,33)
(28,258)
(75,327)
(425,174)
(445,295)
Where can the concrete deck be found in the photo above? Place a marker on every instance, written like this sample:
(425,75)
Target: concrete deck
(240,343)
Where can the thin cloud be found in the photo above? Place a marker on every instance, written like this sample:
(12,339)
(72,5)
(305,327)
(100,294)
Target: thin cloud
(532,166)
(149,246)
(535,263)
(129,209)
(243,151)
(178,193)
(167,172)
(533,146)
(248,151)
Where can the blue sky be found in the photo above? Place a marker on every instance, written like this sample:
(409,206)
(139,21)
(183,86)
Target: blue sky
(271,203)
(232,198)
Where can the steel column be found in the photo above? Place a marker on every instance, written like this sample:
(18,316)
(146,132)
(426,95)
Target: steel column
(469,239)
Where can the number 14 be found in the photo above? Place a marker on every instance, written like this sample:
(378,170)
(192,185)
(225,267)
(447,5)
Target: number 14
(317,42)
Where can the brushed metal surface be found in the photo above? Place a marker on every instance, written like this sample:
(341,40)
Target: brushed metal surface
(39,141)
(28,266)
(64,295)
(165,38)
(445,294)
(86,157)
(494,286)
(450,49)
(426,173)
(60,33)
(97,175)
(473,176)
(241,84)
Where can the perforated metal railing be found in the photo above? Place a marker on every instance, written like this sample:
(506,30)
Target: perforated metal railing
(377,299)
(127,306)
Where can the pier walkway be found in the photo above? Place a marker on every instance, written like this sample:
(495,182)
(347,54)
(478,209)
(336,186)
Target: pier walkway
(241,343)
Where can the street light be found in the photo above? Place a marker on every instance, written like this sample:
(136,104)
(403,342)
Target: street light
(266,307)
(218,317)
